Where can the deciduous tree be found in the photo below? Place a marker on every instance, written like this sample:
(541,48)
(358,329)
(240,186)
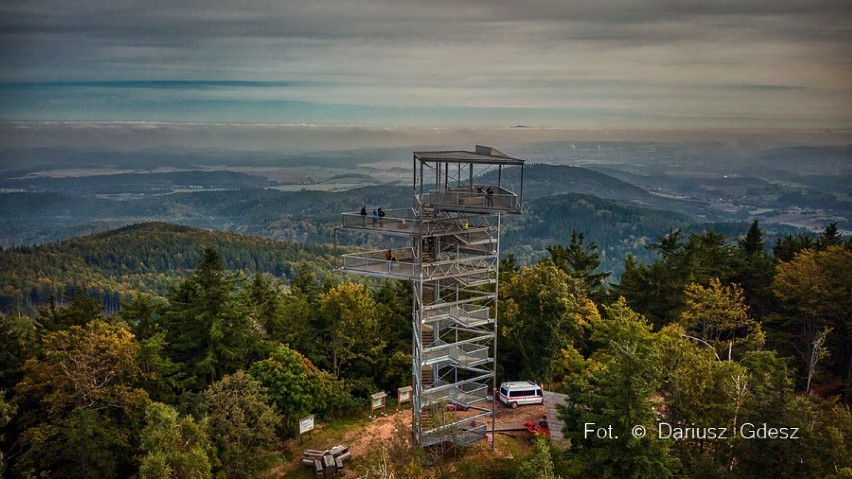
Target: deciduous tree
(543,311)
(351,318)
(86,402)
(814,291)
(699,389)
(717,315)
(242,426)
(174,447)
(540,464)
(295,386)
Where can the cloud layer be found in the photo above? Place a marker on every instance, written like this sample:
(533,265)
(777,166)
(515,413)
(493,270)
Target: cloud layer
(656,63)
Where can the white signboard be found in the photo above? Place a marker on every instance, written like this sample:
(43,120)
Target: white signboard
(378,400)
(404,395)
(306,424)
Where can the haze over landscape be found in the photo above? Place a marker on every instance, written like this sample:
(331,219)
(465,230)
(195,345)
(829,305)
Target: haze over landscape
(172,178)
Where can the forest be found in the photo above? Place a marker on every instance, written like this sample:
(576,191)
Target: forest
(150,257)
(145,258)
(207,374)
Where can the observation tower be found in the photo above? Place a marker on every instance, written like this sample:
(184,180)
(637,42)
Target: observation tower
(447,244)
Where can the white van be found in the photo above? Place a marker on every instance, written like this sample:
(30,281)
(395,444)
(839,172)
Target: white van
(514,393)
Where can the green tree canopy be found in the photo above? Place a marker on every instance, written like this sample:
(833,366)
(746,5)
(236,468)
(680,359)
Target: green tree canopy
(208,329)
(543,311)
(657,291)
(352,322)
(295,386)
(717,315)
(81,310)
(86,403)
(612,390)
(174,447)
(242,426)
(756,272)
(582,262)
(540,464)
(143,315)
(814,290)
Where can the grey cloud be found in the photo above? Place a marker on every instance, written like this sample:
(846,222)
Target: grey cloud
(439,52)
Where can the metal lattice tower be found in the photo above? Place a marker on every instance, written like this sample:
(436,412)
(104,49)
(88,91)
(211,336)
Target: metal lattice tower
(450,252)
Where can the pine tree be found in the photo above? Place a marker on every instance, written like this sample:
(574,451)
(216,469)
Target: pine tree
(657,290)
(755,273)
(208,330)
(581,261)
(752,243)
(612,389)
(829,237)
(786,248)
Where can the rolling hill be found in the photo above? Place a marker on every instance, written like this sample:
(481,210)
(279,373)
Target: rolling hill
(145,258)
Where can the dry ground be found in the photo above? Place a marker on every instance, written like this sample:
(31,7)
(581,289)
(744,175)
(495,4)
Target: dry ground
(395,429)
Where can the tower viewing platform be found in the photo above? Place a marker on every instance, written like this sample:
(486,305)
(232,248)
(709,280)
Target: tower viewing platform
(467,181)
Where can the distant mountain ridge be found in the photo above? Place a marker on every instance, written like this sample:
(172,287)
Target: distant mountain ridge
(545,180)
(31,218)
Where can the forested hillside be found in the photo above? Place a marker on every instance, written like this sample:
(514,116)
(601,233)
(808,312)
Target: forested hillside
(210,377)
(541,180)
(616,227)
(146,258)
(619,217)
(151,256)
(305,216)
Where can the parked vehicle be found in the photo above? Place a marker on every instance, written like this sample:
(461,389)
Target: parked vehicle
(518,393)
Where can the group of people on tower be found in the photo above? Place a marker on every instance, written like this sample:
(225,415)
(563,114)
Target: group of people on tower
(377,216)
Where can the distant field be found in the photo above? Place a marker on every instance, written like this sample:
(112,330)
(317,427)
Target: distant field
(94,171)
(812,221)
(280,175)
(318,187)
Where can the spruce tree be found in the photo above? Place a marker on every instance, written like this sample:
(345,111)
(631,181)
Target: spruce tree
(208,330)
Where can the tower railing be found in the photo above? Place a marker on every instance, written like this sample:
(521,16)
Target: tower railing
(403,264)
(475,199)
(464,314)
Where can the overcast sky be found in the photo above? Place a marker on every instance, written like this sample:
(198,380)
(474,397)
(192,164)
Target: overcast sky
(564,63)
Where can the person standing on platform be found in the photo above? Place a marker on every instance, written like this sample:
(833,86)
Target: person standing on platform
(375,216)
(363,215)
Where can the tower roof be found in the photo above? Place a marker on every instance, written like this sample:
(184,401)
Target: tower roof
(483,155)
